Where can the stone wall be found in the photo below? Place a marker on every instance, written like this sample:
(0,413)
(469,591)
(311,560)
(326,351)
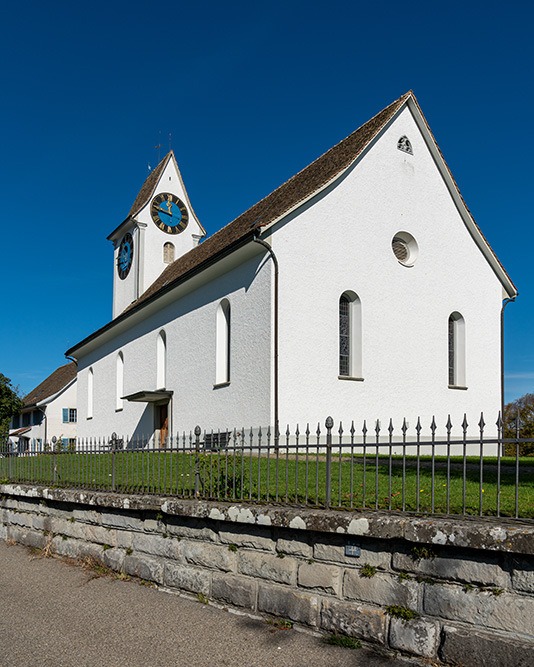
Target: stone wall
(470,581)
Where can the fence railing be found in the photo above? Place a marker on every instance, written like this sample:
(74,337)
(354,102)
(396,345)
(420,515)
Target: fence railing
(373,468)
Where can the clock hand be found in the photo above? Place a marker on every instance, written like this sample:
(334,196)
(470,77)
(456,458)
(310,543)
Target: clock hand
(162,210)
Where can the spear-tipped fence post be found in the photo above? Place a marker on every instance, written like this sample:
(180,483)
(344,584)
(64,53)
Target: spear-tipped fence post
(113,443)
(198,431)
(329,423)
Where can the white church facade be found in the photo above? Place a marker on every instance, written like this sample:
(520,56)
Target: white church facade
(362,288)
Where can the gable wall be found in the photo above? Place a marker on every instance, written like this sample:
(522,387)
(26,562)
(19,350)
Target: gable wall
(342,241)
(154,238)
(54,414)
(189,325)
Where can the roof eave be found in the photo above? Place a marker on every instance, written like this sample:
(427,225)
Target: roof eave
(468,219)
(163,291)
(115,233)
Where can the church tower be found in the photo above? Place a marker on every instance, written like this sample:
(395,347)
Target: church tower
(160,228)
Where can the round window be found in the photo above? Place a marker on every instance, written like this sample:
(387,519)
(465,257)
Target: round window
(405,248)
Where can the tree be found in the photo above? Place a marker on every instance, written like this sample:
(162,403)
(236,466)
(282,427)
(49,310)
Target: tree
(524,408)
(10,404)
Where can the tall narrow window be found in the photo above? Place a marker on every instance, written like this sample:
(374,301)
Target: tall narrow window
(90,392)
(161,360)
(350,336)
(168,253)
(119,403)
(222,371)
(456,334)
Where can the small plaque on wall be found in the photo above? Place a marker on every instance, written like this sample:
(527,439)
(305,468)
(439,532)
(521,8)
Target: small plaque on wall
(352,550)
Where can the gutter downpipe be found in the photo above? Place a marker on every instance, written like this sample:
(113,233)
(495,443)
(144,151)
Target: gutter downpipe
(267,247)
(505,303)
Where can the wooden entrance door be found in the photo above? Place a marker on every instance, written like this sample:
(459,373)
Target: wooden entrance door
(162,425)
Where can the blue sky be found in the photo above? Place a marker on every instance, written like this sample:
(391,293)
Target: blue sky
(251,93)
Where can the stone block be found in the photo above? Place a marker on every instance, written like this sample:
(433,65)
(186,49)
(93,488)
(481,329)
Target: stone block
(381,589)
(78,548)
(122,521)
(234,590)
(523,574)
(3,532)
(143,567)
(151,526)
(100,535)
(505,612)
(286,603)
(87,516)
(124,539)
(248,537)
(21,519)
(114,559)
(294,548)
(187,578)
(30,538)
(354,620)
(213,556)
(156,545)
(69,528)
(10,503)
(448,565)
(192,530)
(24,506)
(41,522)
(268,566)
(335,552)
(326,578)
(419,636)
(461,646)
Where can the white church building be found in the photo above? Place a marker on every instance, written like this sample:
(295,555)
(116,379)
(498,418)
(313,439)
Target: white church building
(361,288)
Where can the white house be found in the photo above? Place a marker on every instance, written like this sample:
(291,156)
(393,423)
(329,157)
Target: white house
(361,288)
(49,414)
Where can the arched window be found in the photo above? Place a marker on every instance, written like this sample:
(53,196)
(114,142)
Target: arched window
(350,335)
(161,360)
(90,393)
(222,351)
(168,253)
(119,403)
(456,350)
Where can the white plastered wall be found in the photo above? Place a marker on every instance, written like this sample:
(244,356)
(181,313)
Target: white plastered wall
(189,323)
(342,241)
(52,424)
(54,412)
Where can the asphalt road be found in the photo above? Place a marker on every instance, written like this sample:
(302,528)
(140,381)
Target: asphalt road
(53,614)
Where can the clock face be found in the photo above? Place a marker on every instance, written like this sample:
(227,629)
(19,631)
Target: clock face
(169,213)
(124,259)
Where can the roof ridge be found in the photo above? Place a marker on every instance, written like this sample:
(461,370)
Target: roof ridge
(149,185)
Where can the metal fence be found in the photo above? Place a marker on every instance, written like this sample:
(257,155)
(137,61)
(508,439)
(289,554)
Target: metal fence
(380,468)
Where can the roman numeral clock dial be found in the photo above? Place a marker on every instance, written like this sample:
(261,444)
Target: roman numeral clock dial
(169,213)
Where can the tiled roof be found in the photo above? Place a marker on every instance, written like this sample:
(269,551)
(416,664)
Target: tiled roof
(53,383)
(285,197)
(297,189)
(145,193)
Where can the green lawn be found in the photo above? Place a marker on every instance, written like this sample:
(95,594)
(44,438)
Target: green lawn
(354,483)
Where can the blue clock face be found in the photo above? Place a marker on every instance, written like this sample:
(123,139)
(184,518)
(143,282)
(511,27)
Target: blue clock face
(169,213)
(124,259)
